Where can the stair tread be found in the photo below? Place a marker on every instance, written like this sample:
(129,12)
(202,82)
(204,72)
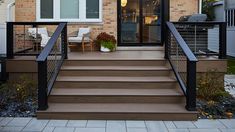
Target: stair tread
(116,79)
(116,108)
(116,92)
(115,68)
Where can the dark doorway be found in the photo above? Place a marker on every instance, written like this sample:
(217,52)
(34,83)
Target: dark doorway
(140,22)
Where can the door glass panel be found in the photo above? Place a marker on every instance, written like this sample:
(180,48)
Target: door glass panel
(130,22)
(151,21)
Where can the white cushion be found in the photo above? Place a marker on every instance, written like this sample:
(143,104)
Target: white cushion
(44,40)
(83,31)
(43,31)
(78,39)
(32,32)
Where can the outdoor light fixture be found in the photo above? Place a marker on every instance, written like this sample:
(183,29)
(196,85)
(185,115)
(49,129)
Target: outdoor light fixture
(123,3)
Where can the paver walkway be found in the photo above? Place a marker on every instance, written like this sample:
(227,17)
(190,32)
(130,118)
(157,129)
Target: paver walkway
(229,82)
(10,124)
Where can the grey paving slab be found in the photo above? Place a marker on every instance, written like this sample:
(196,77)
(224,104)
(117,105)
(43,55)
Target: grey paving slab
(227,130)
(178,130)
(169,124)
(208,124)
(1,118)
(90,130)
(36,125)
(12,129)
(116,126)
(77,123)
(48,129)
(96,123)
(135,124)
(156,126)
(57,123)
(229,123)
(136,130)
(5,121)
(204,130)
(19,122)
(64,129)
(184,124)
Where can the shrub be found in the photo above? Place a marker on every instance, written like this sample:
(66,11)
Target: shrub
(104,37)
(211,86)
(18,90)
(208,8)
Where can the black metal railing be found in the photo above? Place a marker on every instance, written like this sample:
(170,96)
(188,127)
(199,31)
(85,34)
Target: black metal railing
(49,62)
(3,74)
(204,38)
(183,63)
(25,38)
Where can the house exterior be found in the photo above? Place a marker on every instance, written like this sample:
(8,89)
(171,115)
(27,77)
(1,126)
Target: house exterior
(154,78)
(104,17)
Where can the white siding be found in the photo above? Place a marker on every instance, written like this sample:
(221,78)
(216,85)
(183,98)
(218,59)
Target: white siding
(2,39)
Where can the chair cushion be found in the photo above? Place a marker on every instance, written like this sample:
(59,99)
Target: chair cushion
(44,40)
(83,31)
(78,39)
(43,31)
(32,31)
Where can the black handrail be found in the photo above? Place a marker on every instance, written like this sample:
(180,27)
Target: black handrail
(14,34)
(46,51)
(222,54)
(188,86)
(47,73)
(181,42)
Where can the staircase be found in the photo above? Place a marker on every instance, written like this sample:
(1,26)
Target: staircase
(140,89)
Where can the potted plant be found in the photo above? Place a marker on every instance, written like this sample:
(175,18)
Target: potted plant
(107,42)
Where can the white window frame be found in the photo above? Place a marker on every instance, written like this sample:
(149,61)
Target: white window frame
(56,12)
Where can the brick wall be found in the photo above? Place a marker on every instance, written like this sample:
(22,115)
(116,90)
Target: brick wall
(26,11)
(180,8)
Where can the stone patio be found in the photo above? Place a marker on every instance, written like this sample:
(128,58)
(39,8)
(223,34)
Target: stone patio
(10,124)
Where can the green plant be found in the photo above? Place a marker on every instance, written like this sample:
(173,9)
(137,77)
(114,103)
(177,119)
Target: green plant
(108,44)
(231,66)
(18,90)
(210,86)
(207,8)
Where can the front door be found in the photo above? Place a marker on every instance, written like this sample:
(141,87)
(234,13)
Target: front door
(139,22)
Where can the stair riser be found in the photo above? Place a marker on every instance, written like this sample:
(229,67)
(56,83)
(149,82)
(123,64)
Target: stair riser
(120,85)
(115,63)
(113,73)
(116,99)
(118,116)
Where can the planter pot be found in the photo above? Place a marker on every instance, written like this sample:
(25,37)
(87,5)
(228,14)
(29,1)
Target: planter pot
(103,49)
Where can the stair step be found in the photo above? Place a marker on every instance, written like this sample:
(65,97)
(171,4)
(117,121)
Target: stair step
(114,79)
(117,111)
(66,95)
(116,68)
(116,92)
(157,62)
(115,71)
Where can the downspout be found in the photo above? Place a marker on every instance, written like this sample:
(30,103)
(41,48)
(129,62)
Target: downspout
(200,6)
(9,11)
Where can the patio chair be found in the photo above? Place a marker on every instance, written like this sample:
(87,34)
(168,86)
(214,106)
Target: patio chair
(43,34)
(83,37)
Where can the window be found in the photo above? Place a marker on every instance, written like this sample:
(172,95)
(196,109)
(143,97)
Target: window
(69,10)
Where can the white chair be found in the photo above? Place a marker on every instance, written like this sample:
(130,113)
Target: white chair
(83,37)
(42,32)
